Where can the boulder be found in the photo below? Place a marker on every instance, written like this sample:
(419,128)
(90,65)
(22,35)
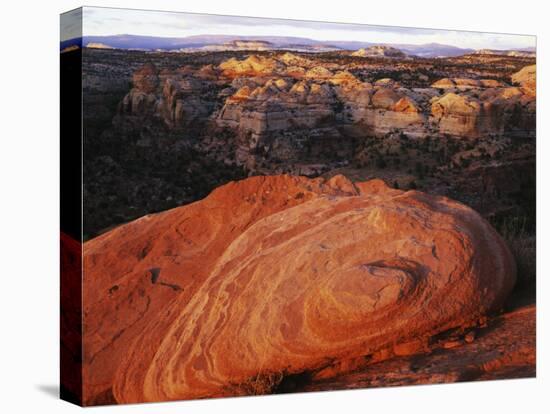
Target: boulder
(276,276)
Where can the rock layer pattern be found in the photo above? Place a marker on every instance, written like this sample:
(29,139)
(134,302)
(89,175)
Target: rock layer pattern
(275,276)
(293,108)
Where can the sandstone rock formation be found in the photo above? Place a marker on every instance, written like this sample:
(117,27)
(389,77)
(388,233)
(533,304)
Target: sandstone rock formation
(457,114)
(141,99)
(469,108)
(482,110)
(527,78)
(380,51)
(504,350)
(251,66)
(239,45)
(70,48)
(275,276)
(171,96)
(518,53)
(466,83)
(294,109)
(146,79)
(272,113)
(474,108)
(98,45)
(290,59)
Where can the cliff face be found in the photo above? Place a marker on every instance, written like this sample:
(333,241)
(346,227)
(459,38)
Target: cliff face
(175,98)
(272,277)
(471,108)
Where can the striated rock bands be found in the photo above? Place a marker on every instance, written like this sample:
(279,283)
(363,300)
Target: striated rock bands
(275,276)
(477,108)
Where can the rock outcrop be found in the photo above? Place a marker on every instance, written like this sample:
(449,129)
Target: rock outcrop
(276,113)
(98,45)
(468,108)
(516,53)
(275,276)
(462,84)
(174,97)
(292,108)
(257,45)
(485,112)
(380,51)
(527,78)
(476,108)
(146,79)
(456,114)
(251,66)
(505,349)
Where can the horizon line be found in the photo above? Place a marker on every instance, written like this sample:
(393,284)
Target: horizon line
(374,43)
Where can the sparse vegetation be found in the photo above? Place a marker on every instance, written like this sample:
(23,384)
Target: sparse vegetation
(523,246)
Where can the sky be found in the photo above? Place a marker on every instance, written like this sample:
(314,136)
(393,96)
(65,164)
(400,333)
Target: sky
(107,21)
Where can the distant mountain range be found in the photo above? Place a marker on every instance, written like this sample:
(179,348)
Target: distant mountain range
(227,42)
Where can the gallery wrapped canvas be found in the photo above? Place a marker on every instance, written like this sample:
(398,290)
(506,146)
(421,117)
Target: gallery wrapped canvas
(259,206)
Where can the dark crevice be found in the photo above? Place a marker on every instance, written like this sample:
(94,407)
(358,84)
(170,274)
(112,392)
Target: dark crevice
(174,287)
(145,251)
(155,274)
(293,382)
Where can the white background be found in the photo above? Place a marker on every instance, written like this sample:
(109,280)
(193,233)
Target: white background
(29,193)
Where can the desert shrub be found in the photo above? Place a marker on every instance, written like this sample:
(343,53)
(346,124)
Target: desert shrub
(261,384)
(381,163)
(338,107)
(523,246)
(419,169)
(465,162)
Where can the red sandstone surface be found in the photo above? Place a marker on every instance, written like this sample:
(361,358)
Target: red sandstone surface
(284,283)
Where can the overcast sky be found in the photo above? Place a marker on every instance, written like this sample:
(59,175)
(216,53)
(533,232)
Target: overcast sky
(105,21)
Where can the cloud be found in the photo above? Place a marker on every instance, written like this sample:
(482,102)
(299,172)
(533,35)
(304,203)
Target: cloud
(71,24)
(108,21)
